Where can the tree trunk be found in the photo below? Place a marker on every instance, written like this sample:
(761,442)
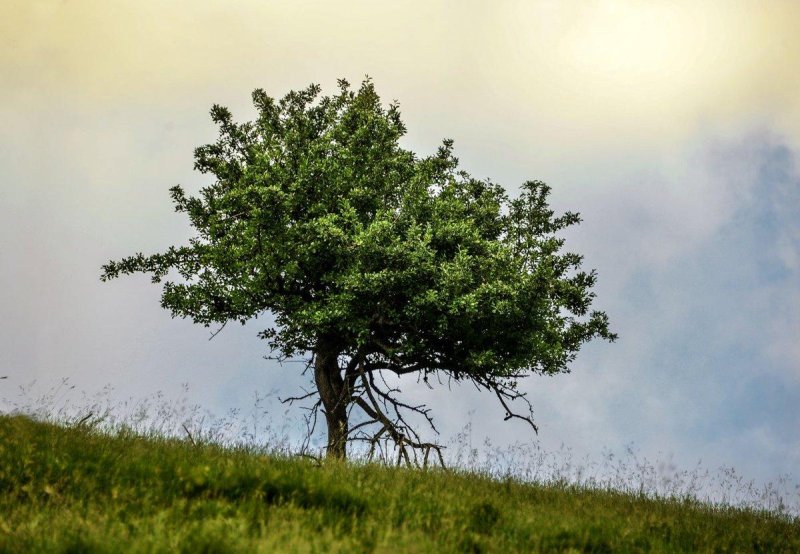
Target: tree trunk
(335,398)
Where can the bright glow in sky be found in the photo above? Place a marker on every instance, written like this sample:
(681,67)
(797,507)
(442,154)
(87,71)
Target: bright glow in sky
(673,127)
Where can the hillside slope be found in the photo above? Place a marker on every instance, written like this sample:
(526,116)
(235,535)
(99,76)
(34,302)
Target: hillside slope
(75,490)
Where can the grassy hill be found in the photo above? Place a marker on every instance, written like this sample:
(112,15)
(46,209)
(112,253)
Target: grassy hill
(76,490)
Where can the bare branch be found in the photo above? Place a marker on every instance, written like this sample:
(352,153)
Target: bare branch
(292,399)
(407,441)
(218,331)
(506,395)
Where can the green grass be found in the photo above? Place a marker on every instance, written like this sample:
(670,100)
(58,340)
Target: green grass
(77,490)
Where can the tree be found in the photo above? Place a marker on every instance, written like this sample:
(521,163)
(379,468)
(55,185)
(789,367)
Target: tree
(372,260)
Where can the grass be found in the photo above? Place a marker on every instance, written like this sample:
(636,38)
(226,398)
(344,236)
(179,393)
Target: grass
(75,489)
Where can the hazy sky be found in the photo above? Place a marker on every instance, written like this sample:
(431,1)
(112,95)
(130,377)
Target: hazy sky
(673,127)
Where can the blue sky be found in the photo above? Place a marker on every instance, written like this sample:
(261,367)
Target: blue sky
(673,127)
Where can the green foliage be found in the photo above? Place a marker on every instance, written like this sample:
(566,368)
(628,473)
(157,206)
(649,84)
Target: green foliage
(75,490)
(362,251)
(318,216)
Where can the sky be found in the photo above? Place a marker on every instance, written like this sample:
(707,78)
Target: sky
(673,127)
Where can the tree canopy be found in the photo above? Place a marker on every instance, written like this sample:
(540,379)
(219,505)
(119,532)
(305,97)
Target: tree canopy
(371,259)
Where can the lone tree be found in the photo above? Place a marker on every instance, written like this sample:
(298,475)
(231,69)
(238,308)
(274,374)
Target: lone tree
(373,260)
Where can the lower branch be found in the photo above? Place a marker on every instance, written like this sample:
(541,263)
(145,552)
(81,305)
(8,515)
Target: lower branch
(507,395)
(377,404)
